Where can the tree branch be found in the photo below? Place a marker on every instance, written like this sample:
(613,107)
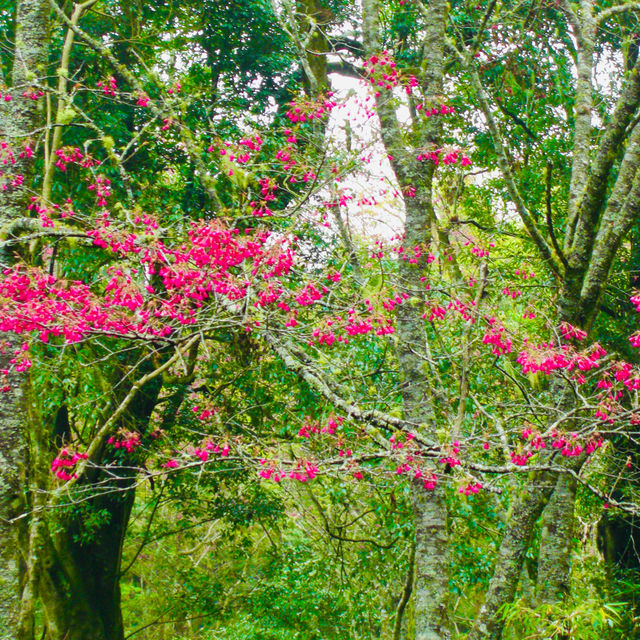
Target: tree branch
(185,134)
(552,233)
(592,200)
(605,14)
(504,162)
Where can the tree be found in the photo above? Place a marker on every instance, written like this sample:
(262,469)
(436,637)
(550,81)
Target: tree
(119,271)
(18,120)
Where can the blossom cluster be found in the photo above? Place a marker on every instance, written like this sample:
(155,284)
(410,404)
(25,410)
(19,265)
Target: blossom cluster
(65,462)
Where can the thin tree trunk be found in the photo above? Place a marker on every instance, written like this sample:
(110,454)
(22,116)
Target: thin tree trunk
(521,522)
(405,596)
(597,221)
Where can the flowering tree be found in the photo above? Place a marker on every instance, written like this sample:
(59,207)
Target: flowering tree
(125,296)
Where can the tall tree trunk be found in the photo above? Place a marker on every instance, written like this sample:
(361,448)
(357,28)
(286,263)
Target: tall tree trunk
(76,550)
(521,523)
(429,507)
(18,119)
(431,582)
(13,452)
(598,219)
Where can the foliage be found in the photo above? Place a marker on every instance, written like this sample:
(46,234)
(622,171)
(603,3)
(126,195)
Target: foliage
(207,341)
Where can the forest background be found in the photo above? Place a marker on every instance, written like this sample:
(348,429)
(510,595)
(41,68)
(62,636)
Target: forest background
(319,319)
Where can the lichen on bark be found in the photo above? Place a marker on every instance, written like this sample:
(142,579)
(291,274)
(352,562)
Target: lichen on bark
(19,119)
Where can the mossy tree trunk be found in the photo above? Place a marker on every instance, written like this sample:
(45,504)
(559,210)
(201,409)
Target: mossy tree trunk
(432,559)
(19,118)
(603,204)
(76,548)
(556,542)
(522,517)
(431,582)
(79,586)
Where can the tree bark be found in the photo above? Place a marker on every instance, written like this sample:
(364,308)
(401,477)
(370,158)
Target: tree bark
(79,573)
(398,625)
(13,452)
(18,119)
(556,537)
(79,580)
(430,514)
(596,223)
(431,582)
(524,513)
(584,32)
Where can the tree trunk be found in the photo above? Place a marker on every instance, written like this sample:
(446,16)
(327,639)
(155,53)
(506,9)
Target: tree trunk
(431,583)
(556,537)
(12,504)
(429,507)
(504,583)
(399,624)
(79,580)
(81,588)
(18,118)
(78,548)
